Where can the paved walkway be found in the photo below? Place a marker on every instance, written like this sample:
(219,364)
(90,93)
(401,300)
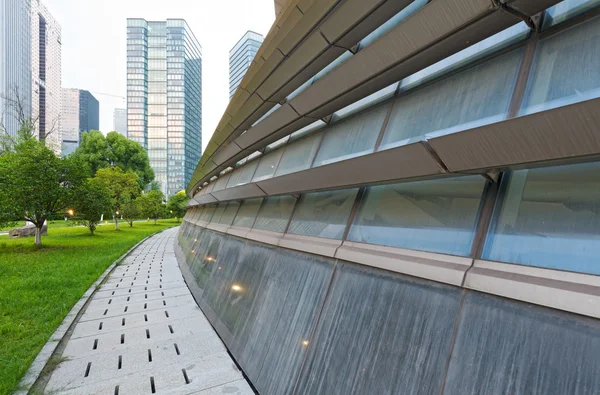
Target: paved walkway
(142,333)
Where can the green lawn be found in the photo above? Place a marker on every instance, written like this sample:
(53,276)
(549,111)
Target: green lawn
(38,286)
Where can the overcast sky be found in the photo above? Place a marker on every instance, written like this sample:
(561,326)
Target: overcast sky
(94,45)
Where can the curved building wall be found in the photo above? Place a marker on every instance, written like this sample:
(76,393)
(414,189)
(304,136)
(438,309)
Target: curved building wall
(419,215)
(304,324)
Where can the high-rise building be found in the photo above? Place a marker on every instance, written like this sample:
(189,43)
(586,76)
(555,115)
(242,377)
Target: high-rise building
(164,97)
(120,121)
(15,63)
(46,74)
(405,199)
(80,113)
(240,58)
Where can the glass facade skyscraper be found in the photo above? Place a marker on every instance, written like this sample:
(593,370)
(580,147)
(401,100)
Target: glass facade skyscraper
(15,60)
(164,97)
(240,58)
(80,113)
(120,121)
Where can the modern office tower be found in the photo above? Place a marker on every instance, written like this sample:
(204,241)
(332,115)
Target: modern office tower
(240,58)
(15,63)
(80,113)
(164,97)
(46,74)
(417,215)
(120,121)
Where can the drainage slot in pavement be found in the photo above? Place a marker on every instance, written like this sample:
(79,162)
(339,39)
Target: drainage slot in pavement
(185,376)
(100,326)
(176,348)
(145,306)
(109,301)
(145,317)
(152,387)
(87,369)
(123,322)
(125,309)
(95,344)
(149,355)
(105,311)
(120,362)
(171,329)
(122,338)
(147,333)
(117,390)
(164,302)
(167,313)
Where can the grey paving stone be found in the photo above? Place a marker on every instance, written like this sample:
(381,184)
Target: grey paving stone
(163,338)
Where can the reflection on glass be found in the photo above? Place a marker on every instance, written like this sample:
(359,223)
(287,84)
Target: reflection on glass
(483,48)
(567,9)
(275,213)
(234,178)
(208,212)
(474,97)
(565,69)
(299,155)
(247,213)
(247,171)
(267,165)
(437,216)
(221,182)
(323,214)
(549,217)
(219,212)
(229,213)
(352,137)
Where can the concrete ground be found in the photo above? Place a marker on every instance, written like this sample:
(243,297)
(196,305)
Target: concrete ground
(142,333)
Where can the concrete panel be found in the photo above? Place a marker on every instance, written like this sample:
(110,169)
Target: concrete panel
(239,192)
(574,292)
(310,49)
(313,13)
(348,15)
(253,103)
(207,198)
(437,267)
(404,162)
(567,132)
(312,245)
(276,120)
(264,236)
(226,152)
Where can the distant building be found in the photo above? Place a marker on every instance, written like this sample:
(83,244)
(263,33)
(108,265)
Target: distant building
(15,60)
(120,121)
(240,58)
(46,74)
(164,98)
(80,113)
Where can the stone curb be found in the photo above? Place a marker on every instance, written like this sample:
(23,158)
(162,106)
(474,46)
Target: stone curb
(37,366)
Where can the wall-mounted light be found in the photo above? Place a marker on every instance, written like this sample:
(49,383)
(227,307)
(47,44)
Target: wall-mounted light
(236,288)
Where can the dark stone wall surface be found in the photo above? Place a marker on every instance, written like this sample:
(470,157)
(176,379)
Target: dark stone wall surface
(301,324)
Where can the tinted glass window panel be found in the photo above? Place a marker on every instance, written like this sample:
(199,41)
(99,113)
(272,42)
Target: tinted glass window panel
(567,9)
(219,212)
(352,137)
(208,213)
(549,217)
(267,165)
(565,69)
(436,216)
(323,214)
(299,155)
(229,213)
(474,97)
(275,213)
(247,171)
(247,213)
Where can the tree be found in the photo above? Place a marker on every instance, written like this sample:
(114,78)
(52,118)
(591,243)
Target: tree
(177,204)
(151,204)
(115,150)
(122,186)
(92,199)
(36,183)
(130,210)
